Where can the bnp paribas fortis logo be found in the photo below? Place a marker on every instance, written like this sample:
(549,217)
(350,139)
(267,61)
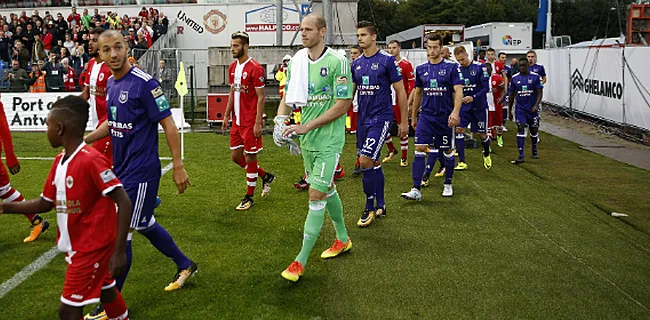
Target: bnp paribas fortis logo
(603,88)
(113,112)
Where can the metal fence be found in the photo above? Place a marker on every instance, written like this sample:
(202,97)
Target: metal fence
(195,62)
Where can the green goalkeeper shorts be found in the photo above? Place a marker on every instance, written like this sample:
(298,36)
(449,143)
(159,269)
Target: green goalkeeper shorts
(320,167)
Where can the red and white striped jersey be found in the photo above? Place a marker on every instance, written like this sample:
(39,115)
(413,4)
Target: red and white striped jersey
(78,188)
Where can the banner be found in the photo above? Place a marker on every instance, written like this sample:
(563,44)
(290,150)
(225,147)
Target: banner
(541,16)
(28,111)
(590,80)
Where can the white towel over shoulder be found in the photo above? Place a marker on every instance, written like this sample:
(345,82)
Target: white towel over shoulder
(297,88)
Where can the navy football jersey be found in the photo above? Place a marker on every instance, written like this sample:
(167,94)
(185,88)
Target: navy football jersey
(525,88)
(437,82)
(374,77)
(136,104)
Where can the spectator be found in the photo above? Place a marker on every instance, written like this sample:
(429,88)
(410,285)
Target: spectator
(17,77)
(97,16)
(79,60)
(143,13)
(164,76)
(21,54)
(141,47)
(84,41)
(28,37)
(17,34)
(85,19)
(159,29)
(38,49)
(64,53)
(69,77)
(48,38)
(74,18)
(54,74)
(133,62)
(36,81)
(61,27)
(146,36)
(5,45)
(8,33)
(113,20)
(57,48)
(36,17)
(69,44)
(38,27)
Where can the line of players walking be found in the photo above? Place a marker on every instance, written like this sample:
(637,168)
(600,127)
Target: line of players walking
(446,99)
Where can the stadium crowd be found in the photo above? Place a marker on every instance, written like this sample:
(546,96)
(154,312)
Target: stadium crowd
(49,53)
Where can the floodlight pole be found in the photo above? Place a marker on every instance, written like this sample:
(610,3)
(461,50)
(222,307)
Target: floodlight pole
(278,22)
(327,14)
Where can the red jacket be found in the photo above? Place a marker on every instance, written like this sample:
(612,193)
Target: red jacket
(5,139)
(47,41)
(76,18)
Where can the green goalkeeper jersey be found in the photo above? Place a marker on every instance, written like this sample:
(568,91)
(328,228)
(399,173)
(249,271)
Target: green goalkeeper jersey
(329,80)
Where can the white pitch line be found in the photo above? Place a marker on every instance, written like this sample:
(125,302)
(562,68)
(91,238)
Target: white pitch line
(21,276)
(44,259)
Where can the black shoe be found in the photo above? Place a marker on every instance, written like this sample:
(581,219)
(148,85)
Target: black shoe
(519,160)
(535,155)
(246,203)
(357,170)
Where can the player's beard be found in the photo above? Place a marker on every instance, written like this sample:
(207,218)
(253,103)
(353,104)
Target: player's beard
(122,63)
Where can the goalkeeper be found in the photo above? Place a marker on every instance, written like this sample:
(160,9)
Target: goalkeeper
(318,82)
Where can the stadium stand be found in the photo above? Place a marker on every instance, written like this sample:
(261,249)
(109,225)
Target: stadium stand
(32,38)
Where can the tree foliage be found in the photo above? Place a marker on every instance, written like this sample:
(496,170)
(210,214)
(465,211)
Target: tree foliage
(581,19)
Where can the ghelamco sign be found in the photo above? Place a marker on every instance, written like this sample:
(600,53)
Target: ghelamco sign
(609,89)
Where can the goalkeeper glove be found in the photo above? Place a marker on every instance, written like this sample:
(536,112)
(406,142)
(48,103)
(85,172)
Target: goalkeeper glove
(278,127)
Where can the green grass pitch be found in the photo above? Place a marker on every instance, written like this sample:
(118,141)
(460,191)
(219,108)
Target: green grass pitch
(516,242)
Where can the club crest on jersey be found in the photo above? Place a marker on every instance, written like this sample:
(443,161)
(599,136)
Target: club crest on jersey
(374,66)
(365,80)
(113,110)
(473,73)
(442,72)
(323,72)
(69,182)
(101,77)
(244,75)
(124,96)
(530,81)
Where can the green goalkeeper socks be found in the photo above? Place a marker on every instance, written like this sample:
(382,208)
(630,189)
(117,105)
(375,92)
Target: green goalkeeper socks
(313,224)
(335,211)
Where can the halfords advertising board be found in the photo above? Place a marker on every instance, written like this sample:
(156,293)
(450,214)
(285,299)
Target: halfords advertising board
(264,19)
(200,27)
(28,111)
